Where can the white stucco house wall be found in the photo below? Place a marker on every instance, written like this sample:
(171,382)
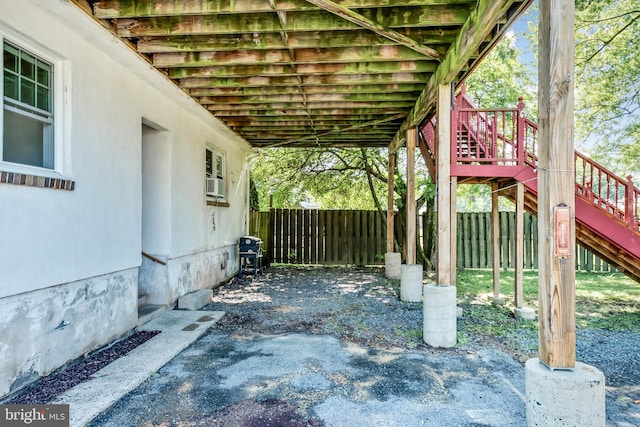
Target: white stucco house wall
(102,159)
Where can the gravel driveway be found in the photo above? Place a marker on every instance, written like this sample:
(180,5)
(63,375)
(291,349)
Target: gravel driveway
(335,347)
(361,306)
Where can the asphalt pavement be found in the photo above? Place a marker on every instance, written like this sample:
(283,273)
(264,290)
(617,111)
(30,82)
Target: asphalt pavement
(192,375)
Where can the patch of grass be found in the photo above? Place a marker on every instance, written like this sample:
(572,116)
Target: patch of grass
(409,333)
(603,300)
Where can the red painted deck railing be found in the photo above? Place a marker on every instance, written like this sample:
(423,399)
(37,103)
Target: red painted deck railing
(504,137)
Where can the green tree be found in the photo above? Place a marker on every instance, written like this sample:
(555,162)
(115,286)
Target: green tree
(500,79)
(608,81)
(351,178)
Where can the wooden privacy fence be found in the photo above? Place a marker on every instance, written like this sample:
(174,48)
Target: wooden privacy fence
(474,243)
(356,237)
(332,237)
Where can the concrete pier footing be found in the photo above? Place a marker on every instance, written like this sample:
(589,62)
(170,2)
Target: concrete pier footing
(392,263)
(411,283)
(439,327)
(526,314)
(564,397)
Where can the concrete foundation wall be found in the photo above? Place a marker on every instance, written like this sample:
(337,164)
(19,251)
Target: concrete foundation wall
(43,329)
(202,270)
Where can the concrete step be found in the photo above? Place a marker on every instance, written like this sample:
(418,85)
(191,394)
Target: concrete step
(143,299)
(149,312)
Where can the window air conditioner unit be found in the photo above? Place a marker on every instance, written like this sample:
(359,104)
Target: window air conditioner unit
(215,187)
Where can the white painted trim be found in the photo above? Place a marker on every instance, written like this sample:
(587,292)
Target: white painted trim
(61,92)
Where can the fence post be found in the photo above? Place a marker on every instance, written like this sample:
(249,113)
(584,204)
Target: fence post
(629,203)
(520,132)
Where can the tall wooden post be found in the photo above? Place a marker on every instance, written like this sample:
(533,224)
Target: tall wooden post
(444,185)
(454,230)
(519,256)
(412,139)
(495,238)
(390,193)
(556,183)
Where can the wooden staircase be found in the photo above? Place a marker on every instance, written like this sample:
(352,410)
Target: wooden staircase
(500,146)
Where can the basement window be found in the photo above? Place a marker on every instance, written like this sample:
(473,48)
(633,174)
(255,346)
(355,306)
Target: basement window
(215,175)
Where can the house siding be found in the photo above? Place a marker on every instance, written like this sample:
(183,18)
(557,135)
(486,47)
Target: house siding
(57,244)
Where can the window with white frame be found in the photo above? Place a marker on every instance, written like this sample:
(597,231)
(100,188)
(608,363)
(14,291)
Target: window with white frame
(215,171)
(27,113)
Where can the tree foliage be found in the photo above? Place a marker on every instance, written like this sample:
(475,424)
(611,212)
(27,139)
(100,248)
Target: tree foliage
(332,178)
(502,77)
(608,80)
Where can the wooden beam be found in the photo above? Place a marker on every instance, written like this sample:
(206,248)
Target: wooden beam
(281,56)
(376,27)
(327,121)
(336,97)
(441,37)
(330,144)
(556,182)
(329,80)
(454,230)
(341,131)
(412,142)
(277,107)
(261,69)
(301,127)
(478,26)
(297,112)
(443,173)
(113,9)
(390,202)
(271,90)
(519,253)
(495,237)
(206,24)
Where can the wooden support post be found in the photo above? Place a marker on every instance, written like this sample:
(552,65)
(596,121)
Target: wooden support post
(519,255)
(556,183)
(444,184)
(454,229)
(412,140)
(390,193)
(495,238)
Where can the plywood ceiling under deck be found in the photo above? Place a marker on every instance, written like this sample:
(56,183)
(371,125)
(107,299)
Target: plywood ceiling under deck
(311,73)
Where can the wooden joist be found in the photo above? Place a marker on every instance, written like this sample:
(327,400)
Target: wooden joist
(319,90)
(317,98)
(384,54)
(442,37)
(310,61)
(302,69)
(320,80)
(113,9)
